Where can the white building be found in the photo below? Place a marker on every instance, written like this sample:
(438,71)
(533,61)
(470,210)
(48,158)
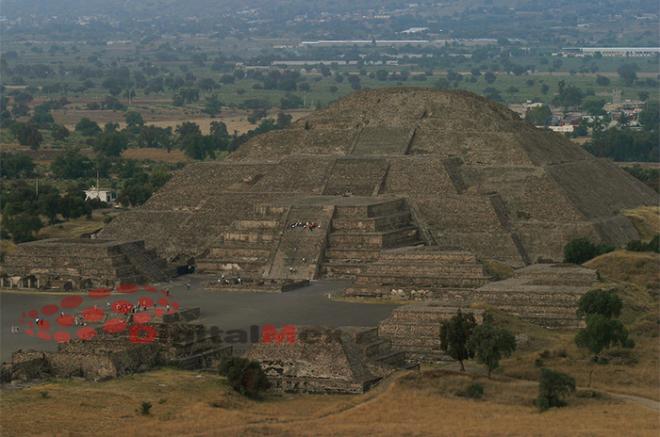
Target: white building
(567,128)
(107,196)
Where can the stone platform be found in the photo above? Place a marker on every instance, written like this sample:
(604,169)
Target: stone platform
(543,294)
(82,263)
(329,360)
(418,273)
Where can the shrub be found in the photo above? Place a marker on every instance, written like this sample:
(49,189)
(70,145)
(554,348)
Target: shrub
(603,302)
(472,391)
(145,408)
(553,388)
(581,250)
(639,246)
(245,376)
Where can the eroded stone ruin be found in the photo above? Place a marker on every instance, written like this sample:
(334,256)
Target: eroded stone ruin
(323,360)
(543,294)
(70,264)
(177,343)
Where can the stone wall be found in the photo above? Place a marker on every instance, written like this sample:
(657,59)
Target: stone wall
(80,263)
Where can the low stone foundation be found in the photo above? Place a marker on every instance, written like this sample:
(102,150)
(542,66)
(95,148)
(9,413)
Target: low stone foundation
(184,345)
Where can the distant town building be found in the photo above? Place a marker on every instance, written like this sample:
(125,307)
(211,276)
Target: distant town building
(415,30)
(104,195)
(612,51)
(567,128)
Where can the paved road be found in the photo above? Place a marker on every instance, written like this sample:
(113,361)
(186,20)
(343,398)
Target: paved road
(305,306)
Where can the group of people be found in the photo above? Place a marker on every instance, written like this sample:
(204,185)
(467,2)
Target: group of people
(227,281)
(304,225)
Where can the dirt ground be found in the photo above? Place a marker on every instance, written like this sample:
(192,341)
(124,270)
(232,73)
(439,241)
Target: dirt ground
(410,404)
(158,155)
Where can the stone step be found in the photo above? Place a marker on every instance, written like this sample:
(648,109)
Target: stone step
(248,225)
(372,224)
(342,269)
(406,268)
(344,255)
(391,238)
(433,281)
(252,236)
(427,257)
(442,296)
(372,210)
(233,251)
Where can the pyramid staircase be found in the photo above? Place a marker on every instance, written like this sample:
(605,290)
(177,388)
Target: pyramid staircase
(246,248)
(359,233)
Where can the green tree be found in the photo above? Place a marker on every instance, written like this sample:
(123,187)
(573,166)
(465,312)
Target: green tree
(579,251)
(489,344)
(16,165)
(490,77)
(27,135)
(291,101)
(603,302)
(245,376)
(154,136)
(569,96)
(454,336)
(628,73)
(601,333)
(111,143)
(72,165)
(22,226)
(87,127)
(135,192)
(593,105)
(602,80)
(649,118)
(59,132)
(134,119)
(539,115)
(42,117)
(213,106)
(553,389)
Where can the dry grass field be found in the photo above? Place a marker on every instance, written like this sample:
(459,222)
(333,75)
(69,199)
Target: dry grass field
(646,219)
(416,404)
